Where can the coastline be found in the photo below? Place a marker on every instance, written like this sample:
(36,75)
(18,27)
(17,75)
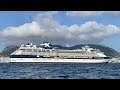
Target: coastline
(4,59)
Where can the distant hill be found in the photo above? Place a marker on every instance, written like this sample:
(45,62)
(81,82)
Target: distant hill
(107,50)
(8,50)
(118,55)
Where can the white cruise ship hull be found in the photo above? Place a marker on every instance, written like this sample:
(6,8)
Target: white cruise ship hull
(57,60)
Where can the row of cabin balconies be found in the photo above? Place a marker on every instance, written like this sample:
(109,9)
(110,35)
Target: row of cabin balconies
(75,52)
(54,54)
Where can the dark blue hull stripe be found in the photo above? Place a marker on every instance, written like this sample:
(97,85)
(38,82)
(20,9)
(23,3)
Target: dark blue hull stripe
(24,56)
(35,56)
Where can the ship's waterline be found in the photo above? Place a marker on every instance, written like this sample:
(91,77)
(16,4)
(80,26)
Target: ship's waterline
(48,60)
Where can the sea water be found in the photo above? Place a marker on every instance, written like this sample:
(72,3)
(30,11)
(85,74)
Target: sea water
(59,71)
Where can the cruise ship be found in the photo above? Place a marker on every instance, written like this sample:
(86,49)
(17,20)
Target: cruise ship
(44,53)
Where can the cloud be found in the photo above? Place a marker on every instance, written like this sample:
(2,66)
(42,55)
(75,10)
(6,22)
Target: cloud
(91,13)
(45,28)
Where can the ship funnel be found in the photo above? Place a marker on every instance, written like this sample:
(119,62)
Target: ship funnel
(45,44)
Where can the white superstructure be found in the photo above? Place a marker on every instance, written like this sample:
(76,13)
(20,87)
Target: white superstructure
(43,53)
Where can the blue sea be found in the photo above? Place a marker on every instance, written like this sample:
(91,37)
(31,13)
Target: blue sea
(59,71)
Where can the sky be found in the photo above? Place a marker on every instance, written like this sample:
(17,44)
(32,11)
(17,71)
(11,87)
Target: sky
(60,27)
